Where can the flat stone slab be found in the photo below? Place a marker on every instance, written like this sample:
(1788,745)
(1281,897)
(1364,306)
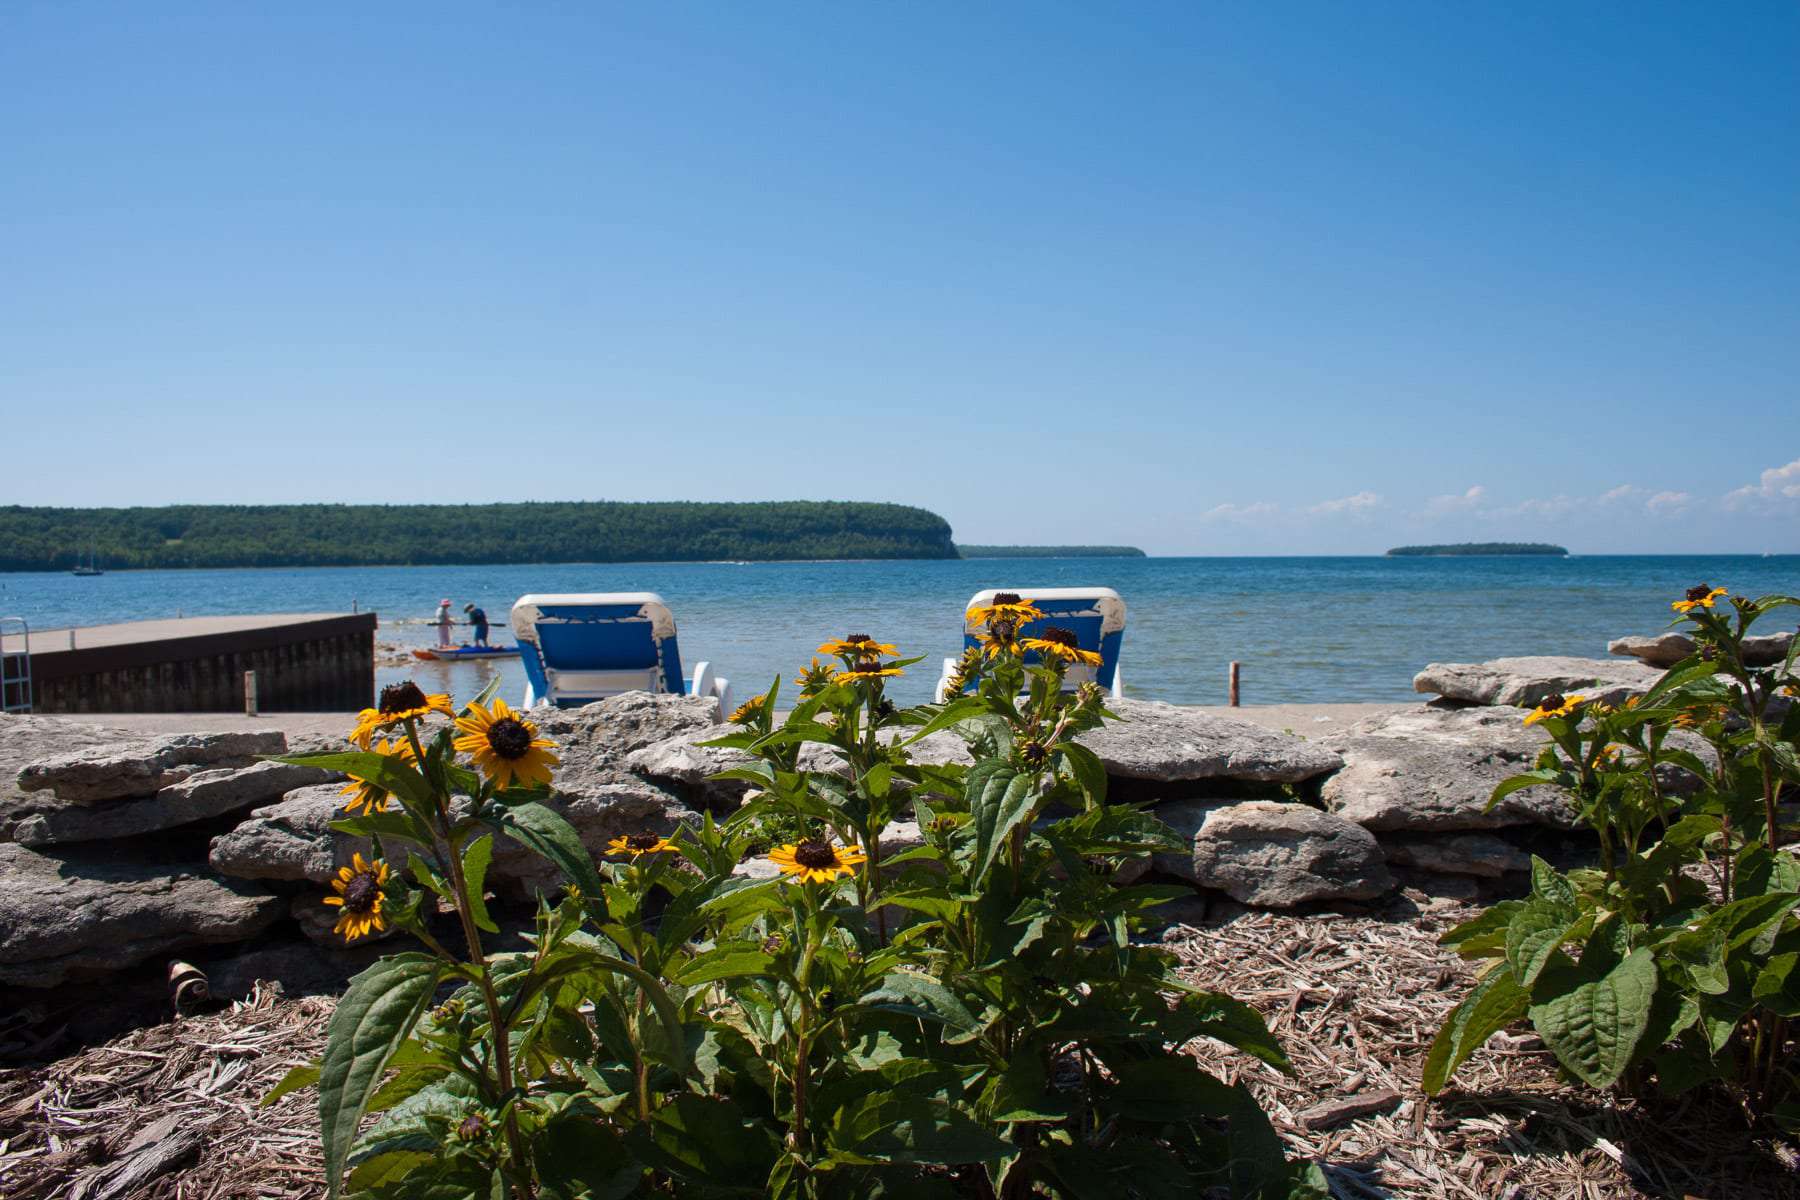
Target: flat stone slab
(103,773)
(1523,682)
(199,797)
(1431,770)
(26,738)
(67,916)
(1165,743)
(1664,650)
(1274,854)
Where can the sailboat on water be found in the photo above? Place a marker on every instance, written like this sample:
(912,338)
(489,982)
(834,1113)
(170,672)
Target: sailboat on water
(87,568)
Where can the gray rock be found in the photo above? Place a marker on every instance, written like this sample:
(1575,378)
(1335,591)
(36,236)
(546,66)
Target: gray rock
(1432,770)
(301,968)
(1167,744)
(291,840)
(25,738)
(200,796)
(1526,681)
(1666,649)
(139,768)
(1274,854)
(682,762)
(67,916)
(1480,854)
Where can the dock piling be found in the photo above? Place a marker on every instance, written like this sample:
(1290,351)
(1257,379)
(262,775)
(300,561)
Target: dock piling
(1234,685)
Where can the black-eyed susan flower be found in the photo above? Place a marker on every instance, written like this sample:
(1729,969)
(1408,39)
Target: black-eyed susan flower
(359,894)
(639,843)
(399,702)
(1554,705)
(505,746)
(859,645)
(1062,645)
(867,668)
(817,860)
(1700,596)
(370,797)
(1004,606)
(1033,753)
(814,677)
(750,711)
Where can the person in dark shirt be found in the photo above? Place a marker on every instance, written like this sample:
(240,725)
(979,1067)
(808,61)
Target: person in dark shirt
(478,619)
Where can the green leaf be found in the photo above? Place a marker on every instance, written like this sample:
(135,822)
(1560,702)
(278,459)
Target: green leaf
(1022,1093)
(1088,770)
(1496,1002)
(1777,986)
(1547,883)
(475,869)
(388,1167)
(386,771)
(1515,783)
(376,1014)
(708,1141)
(883,1126)
(1235,1023)
(544,830)
(304,1075)
(1593,1025)
(1483,936)
(1000,799)
(919,996)
(948,715)
(714,965)
(1537,931)
(392,823)
(583,1160)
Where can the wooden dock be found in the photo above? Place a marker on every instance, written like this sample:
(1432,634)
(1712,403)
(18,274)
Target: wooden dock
(304,662)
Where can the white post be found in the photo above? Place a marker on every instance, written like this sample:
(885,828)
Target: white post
(250,693)
(71,639)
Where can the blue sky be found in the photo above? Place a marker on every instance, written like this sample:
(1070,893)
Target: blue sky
(1207,278)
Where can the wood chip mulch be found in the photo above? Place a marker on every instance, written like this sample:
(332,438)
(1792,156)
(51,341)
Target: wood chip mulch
(171,1111)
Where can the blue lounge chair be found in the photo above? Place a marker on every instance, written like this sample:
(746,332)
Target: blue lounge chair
(1095,615)
(585,646)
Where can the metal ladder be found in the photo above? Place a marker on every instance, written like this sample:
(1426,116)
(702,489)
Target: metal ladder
(15,666)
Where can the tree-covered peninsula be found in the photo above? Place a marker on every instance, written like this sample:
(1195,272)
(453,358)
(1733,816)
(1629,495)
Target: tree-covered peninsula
(1460,549)
(318,535)
(1051,552)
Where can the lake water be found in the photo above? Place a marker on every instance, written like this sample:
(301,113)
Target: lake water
(1305,629)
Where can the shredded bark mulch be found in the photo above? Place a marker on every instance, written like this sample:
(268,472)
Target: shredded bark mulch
(172,1111)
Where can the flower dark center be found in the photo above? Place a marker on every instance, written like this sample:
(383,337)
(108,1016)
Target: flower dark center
(815,854)
(1005,598)
(1699,593)
(1062,637)
(1553,701)
(858,639)
(401,697)
(509,738)
(471,1128)
(642,841)
(361,893)
(1033,753)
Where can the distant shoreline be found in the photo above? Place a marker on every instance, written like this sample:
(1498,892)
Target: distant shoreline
(1482,550)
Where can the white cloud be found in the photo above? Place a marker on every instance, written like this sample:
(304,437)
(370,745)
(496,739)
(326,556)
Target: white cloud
(1778,486)
(1622,493)
(1470,499)
(1554,506)
(1667,504)
(1240,512)
(1360,502)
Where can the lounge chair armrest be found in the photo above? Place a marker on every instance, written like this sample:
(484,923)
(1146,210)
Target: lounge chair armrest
(707,683)
(943,687)
(1118,688)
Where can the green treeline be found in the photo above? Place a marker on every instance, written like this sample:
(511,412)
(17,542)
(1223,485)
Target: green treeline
(319,535)
(1461,548)
(1051,552)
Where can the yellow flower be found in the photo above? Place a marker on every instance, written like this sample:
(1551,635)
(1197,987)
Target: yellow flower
(1063,645)
(370,797)
(639,843)
(1005,606)
(1553,705)
(815,677)
(866,669)
(358,887)
(817,861)
(859,645)
(750,711)
(1698,597)
(505,746)
(399,702)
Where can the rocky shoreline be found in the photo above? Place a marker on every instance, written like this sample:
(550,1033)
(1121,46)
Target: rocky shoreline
(120,850)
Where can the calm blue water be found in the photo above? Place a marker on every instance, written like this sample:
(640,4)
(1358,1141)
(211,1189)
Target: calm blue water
(1305,629)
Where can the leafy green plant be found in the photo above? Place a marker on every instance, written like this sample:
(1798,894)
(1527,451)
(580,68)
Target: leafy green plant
(935,992)
(1674,961)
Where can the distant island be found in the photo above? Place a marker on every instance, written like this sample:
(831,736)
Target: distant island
(1471,548)
(1051,552)
(347,535)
